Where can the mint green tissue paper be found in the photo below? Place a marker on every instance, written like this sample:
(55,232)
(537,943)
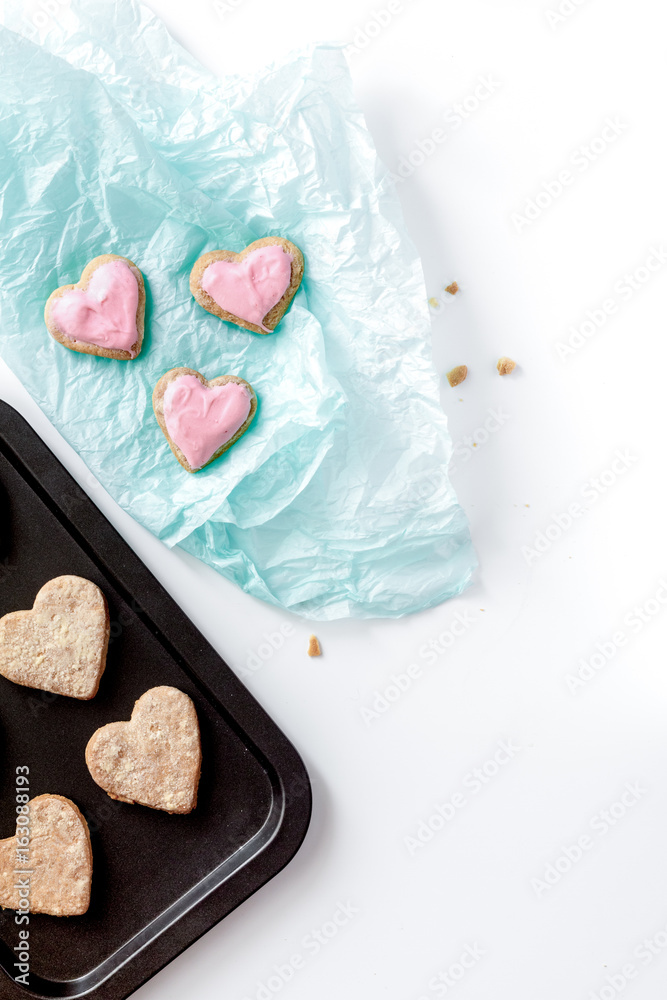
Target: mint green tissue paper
(336,502)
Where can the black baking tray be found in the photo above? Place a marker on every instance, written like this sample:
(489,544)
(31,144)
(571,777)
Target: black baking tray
(159,881)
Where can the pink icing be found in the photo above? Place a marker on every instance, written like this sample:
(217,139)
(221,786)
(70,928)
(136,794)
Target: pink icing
(106,313)
(251,287)
(201,418)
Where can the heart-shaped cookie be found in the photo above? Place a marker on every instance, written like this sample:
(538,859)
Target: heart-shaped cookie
(154,759)
(200,418)
(103,313)
(61,645)
(49,870)
(253,288)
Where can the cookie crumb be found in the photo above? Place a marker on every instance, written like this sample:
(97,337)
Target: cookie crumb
(314,648)
(453,288)
(457,375)
(433,302)
(505,366)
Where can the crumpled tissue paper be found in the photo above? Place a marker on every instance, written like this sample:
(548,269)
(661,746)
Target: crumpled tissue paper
(336,503)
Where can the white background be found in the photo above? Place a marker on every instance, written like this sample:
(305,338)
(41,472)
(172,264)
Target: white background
(480,882)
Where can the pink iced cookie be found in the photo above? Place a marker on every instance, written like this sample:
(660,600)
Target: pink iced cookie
(103,313)
(200,418)
(252,289)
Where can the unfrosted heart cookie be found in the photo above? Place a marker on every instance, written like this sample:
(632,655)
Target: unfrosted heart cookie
(154,759)
(253,288)
(200,418)
(61,645)
(51,869)
(103,313)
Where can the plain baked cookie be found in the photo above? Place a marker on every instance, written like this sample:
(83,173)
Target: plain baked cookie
(253,288)
(154,759)
(58,856)
(103,313)
(201,419)
(61,645)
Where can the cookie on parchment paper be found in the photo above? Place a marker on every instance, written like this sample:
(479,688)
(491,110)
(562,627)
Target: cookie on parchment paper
(252,289)
(198,417)
(103,313)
